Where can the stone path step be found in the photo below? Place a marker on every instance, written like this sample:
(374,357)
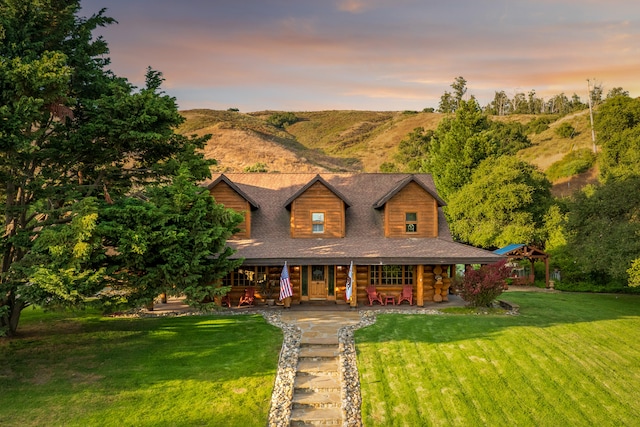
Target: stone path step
(316,416)
(315,382)
(313,399)
(324,366)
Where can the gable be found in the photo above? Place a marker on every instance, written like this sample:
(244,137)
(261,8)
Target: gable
(224,194)
(317,201)
(411,212)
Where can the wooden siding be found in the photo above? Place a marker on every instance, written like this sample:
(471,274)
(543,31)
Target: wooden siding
(228,197)
(412,198)
(317,198)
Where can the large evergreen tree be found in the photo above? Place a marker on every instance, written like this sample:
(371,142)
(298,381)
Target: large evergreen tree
(505,202)
(73,136)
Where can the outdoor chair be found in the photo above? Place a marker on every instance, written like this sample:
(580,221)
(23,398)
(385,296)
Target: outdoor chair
(248,297)
(373,295)
(406,295)
(225,301)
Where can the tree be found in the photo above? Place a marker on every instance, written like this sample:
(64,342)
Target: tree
(172,240)
(602,229)
(460,143)
(457,146)
(73,136)
(447,103)
(618,125)
(459,87)
(413,149)
(501,105)
(617,91)
(504,202)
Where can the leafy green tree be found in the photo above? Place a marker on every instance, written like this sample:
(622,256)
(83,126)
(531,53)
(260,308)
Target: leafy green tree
(501,104)
(459,87)
(520,104)
(413,149)
(447,103)
(617,91)
(617,124)
(602,229)
(504,202)
(460,143)
(172,240)
(71,132)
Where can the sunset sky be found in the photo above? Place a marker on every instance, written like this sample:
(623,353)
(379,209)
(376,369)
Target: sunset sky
(310,55)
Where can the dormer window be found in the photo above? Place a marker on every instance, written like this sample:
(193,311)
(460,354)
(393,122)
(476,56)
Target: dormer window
(411,222)
(317,222)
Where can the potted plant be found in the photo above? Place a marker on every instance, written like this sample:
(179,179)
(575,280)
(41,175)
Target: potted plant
(267,290)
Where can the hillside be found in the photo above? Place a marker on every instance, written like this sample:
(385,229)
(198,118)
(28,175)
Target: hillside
(352,140)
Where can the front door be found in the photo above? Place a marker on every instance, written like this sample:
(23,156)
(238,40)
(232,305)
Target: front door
(318,282)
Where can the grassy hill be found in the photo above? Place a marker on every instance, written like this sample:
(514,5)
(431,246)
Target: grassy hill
(353,140)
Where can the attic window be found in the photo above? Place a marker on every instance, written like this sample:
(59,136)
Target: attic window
(317,222)
(411,222)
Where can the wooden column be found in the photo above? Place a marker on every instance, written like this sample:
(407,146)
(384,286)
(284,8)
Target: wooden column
(354,288)
(546,271)
(420,290)
(532,273)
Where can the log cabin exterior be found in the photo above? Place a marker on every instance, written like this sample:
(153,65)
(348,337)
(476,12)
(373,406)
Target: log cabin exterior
(391,226)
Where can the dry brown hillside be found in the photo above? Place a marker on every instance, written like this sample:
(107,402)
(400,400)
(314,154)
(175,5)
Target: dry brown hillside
(352,140)
(319,141)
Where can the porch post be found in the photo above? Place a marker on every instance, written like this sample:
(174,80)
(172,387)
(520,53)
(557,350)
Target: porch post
(354,288)
(546,271)
(532,273)
(420,290)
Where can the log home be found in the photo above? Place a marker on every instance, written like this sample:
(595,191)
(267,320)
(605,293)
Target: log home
(391,226)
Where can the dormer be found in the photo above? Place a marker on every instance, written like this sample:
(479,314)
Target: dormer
(225,192)
(410,210)
(317,211)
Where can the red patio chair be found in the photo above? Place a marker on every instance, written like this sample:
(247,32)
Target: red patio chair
(248,297)
(406,295)
(225,301)
(373,295)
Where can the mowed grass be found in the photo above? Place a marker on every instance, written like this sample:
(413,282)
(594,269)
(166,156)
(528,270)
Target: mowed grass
(566,360)
(182,371)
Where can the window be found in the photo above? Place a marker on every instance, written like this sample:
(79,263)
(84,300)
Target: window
(391,275)
(317,222)
(411,222)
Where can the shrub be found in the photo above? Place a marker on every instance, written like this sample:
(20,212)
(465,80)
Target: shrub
(565,130)
(257,167)
(482,286)
(539,124)
(573,163)
(281,120)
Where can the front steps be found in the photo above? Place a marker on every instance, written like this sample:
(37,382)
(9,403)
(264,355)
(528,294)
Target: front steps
(316,392)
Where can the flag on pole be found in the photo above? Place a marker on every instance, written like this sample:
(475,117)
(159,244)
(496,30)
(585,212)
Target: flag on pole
(285,283)
(349,287)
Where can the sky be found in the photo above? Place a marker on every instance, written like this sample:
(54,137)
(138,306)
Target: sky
(381,55)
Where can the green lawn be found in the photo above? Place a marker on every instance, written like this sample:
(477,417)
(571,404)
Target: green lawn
(86,370)
(567,360)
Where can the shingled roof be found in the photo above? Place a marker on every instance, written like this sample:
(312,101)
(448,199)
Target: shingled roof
(364,242)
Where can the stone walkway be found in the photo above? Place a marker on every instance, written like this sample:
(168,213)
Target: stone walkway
(317,389)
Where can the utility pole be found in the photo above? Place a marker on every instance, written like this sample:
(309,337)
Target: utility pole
(593,132)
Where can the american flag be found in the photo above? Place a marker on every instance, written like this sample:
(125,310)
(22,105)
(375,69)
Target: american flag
(285,283)
(349,284)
